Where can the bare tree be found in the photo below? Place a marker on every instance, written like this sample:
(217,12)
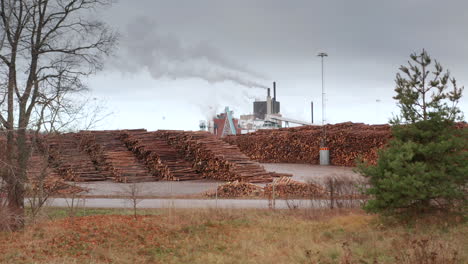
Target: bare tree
(133,192)
(46,48)
(42,185)
(37,193)
(344,191)
(74,202)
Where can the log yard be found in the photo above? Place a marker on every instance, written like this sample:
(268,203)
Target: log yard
(227,152)
(250,132)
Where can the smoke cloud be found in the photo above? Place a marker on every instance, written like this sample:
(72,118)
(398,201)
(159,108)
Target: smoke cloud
(164,55)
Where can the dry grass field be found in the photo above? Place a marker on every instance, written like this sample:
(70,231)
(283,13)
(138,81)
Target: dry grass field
(232,236)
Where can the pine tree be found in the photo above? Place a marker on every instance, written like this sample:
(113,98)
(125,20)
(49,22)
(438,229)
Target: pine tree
(425,166)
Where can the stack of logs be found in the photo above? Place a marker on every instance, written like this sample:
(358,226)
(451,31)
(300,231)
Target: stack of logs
(112,156)
(44,179)
(288,188)
(72,163)
(141,156)
(161,159)
(347,142)
(237,189)
(283,188)
(217,159)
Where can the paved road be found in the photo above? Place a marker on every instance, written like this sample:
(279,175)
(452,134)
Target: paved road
(154,189)
(163,191)
(185,189)
(187,203)
(308,172)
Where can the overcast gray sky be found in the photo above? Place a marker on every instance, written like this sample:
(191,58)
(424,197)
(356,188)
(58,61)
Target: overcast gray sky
(181,61)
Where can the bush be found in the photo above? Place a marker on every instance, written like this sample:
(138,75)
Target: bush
(421,170)
(425,165)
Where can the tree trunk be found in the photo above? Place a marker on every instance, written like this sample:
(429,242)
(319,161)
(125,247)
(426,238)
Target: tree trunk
(16,198)
(16,204)
(14,185)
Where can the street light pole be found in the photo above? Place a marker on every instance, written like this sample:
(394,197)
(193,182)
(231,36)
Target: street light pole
(324,151)
(322,55)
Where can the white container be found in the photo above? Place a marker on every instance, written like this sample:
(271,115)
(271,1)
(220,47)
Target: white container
(324,156)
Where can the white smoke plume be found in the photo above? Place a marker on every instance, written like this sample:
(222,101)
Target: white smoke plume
(164,55)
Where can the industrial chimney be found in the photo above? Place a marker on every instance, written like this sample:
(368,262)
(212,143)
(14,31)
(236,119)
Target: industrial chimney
(312,111)
(269,103)
(274,98)
(267,107)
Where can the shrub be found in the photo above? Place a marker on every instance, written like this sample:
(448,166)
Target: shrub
(425,165)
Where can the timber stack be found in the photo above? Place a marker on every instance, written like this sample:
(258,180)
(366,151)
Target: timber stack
(141,156)
(89,145)
(347,143)
(283,187)
(71,163)
(116,158)
(44,180)
(288,188)
(237,189)
(216,159)
(160,158)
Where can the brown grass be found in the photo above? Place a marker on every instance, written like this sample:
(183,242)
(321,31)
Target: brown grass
(235,236)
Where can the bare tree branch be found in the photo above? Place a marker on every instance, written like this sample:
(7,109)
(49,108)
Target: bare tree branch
(46,48)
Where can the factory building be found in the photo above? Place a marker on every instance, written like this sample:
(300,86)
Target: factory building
(266,115)
(221,123)
(262,111)
(270,106)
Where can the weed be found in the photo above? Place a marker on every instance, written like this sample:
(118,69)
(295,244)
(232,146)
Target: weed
(427,251)
(231,236)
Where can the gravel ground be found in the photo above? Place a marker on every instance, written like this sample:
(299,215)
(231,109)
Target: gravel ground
(187,203)
(165,189)
(306,172)
(152,189)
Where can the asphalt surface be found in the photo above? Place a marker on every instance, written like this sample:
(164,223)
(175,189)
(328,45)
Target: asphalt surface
(308,172)
(187,203)
(195,189)
(152,189)
(189,194)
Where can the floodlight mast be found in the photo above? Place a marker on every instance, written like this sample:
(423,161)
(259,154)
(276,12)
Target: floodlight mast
(324,150)
(322,55)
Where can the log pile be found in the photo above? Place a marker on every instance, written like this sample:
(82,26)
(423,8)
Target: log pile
(288,188)
(57,186)
(237,189)
(111,155)
(161,158)
(88,144)
(71,163)
(284,188)
(215,158)
(38,167)
(347,142)
(41,177)
(45,179)
(138,155)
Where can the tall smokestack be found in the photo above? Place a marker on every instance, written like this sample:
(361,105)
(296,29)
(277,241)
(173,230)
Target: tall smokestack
(312,111)
(268,103)
(274,99)
(274,91)
(268,92)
